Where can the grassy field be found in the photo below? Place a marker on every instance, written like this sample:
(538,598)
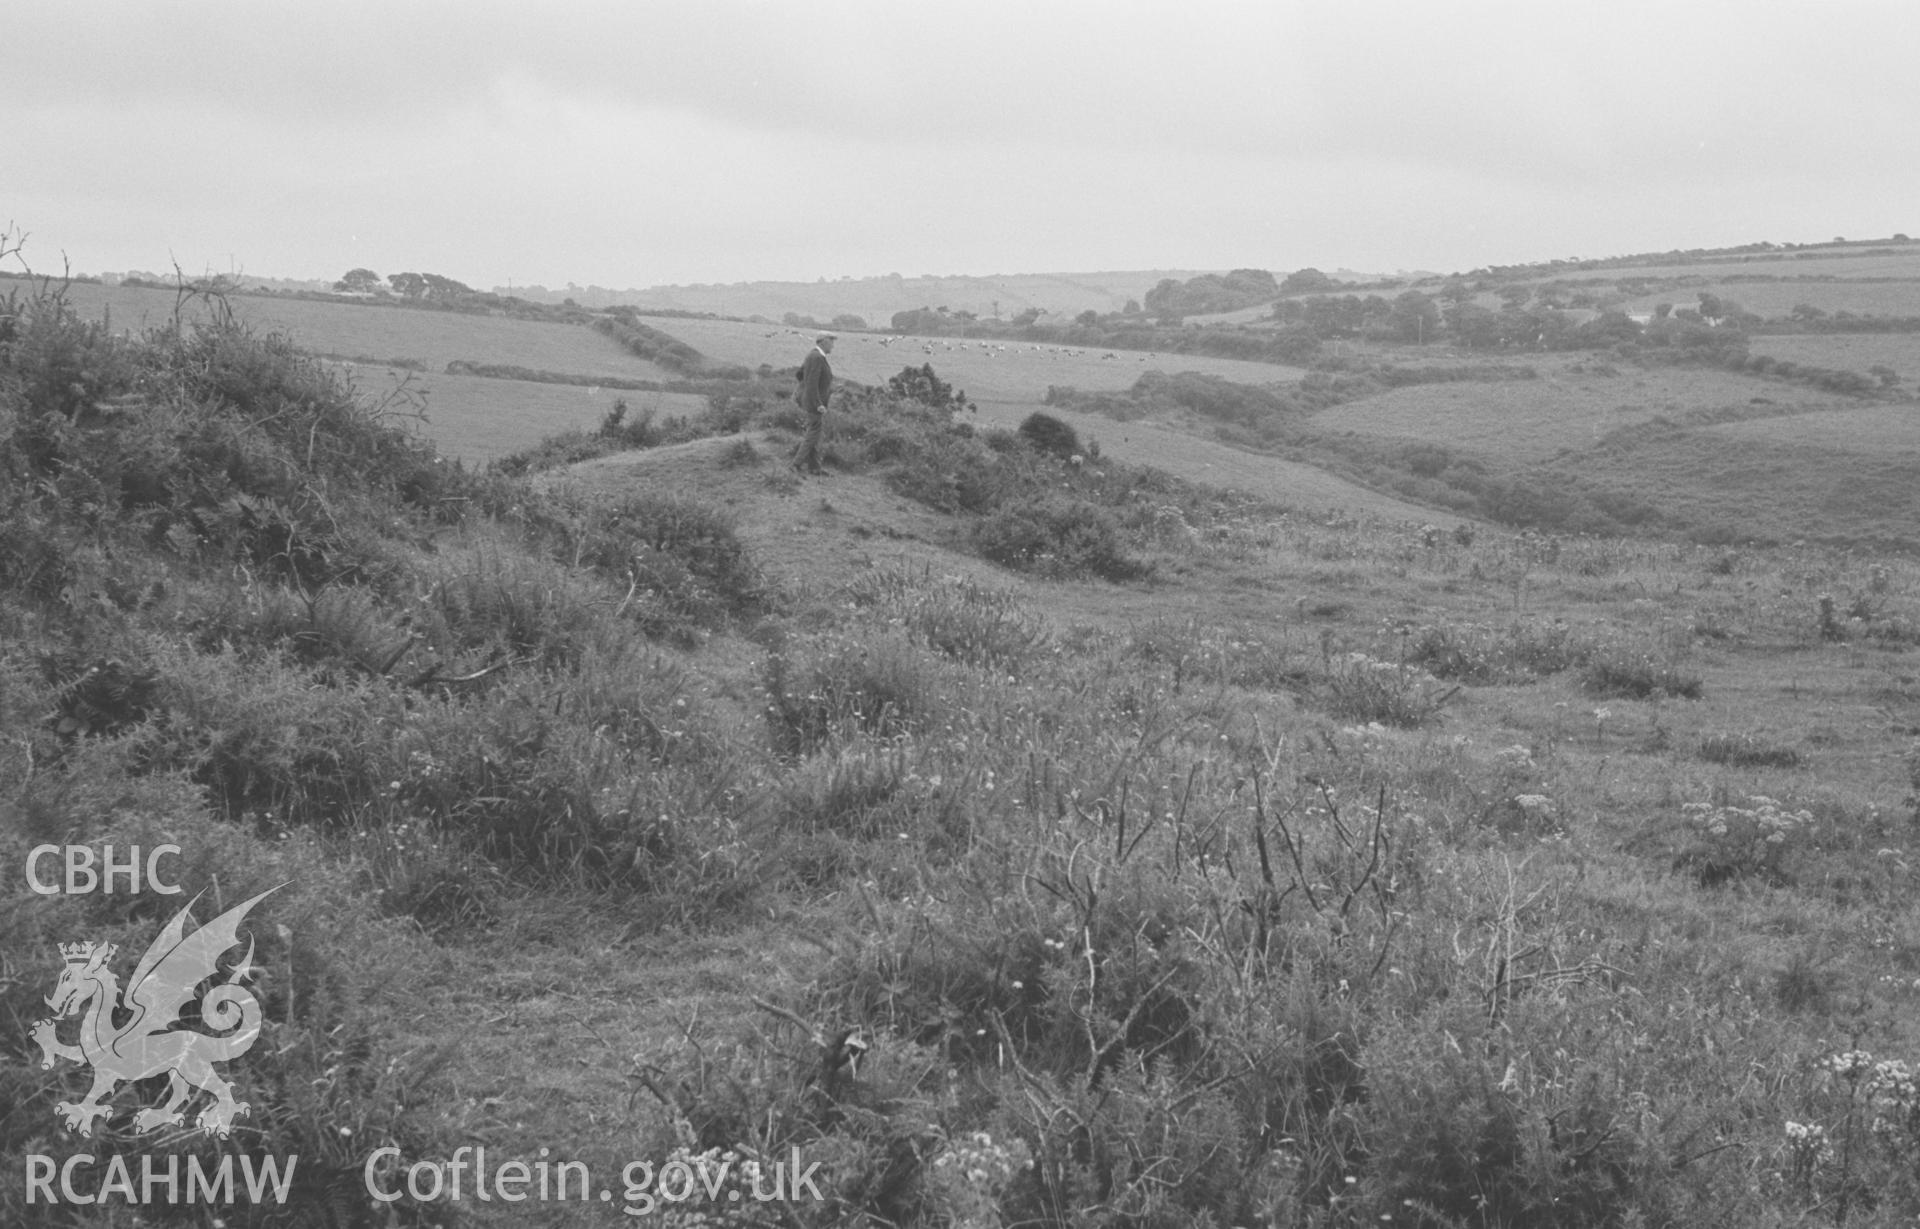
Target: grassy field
(1847,351)
(1886,431)
(1574,405)
(1892,260)
(1776,299)
(478,419)
(1888,257)
(473,418)
(990,371)
(1767,481)
(1711,454)
(1245,315)
(1026,842)
(357,330)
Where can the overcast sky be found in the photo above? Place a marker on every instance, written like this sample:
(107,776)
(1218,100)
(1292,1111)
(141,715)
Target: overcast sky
(632,144)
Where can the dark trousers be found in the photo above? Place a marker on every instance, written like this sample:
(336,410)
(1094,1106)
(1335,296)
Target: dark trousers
(807,455)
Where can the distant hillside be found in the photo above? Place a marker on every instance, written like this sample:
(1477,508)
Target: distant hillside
(875,299)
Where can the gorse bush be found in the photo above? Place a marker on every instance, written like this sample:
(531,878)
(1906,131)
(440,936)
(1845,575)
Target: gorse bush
(58,365)
(220,445)
(303,407)
(1057,537)
(682,556)
(1050,435)
(922,385)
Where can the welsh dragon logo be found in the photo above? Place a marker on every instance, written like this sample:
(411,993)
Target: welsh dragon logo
(147,1044)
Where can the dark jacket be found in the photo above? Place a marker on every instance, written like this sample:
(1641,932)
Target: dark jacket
(816,381)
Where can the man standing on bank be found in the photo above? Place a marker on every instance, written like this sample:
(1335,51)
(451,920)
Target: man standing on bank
(816,384)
